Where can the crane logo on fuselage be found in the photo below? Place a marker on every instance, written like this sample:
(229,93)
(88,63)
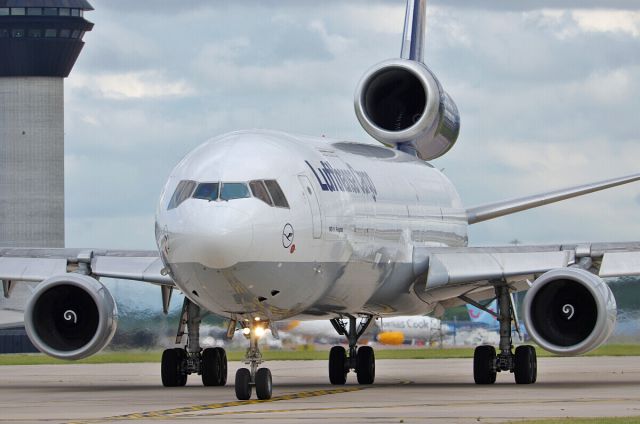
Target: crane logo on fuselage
(287,236)
(331,178)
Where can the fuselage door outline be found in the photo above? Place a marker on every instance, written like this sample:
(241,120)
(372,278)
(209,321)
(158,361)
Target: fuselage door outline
(314,205)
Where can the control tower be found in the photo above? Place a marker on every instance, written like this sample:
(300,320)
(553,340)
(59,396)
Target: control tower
(40,41)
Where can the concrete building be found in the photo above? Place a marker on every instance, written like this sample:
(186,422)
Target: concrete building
(40,41)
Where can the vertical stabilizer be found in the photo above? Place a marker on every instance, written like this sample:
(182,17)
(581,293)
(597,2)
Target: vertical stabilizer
(415,24)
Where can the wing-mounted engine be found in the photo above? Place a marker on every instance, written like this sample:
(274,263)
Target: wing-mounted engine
(401,102)
(71,316)
(569,311)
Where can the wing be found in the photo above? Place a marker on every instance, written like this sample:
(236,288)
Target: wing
(18,264)
(451,276)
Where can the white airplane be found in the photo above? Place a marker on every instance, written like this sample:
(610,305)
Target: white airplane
(262,226)
(390,331)
(396,330)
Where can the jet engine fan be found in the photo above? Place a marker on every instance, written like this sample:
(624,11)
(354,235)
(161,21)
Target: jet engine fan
(71,316)
(401,102)
(569,311)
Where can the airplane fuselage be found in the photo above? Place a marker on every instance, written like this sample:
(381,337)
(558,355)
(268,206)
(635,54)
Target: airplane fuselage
(341,242)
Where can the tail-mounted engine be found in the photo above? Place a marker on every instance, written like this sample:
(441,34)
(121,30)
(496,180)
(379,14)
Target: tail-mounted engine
(569,311)
(71,316)
(401,102)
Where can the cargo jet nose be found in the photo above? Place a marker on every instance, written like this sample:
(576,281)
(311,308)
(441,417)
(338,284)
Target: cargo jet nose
(215,235)
(228,236)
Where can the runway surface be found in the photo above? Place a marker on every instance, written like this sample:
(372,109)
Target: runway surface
(409,391)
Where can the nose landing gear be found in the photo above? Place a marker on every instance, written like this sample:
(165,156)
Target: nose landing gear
(246,379)
(362,360)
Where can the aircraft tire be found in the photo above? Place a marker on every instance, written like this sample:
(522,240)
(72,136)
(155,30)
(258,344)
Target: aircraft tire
(223,366)
(243,384)
(526,367)
(484,364)
(182,358)
(214,372)
(263,384)
(337,369)
(171,369)
(366,365)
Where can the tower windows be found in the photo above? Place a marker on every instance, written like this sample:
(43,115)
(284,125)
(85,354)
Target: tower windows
(40,11)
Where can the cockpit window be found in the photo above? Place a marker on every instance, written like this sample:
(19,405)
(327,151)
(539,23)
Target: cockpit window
(207,191)
(268,191)
(277,195)
(182,193)
(260,192)
(231,191)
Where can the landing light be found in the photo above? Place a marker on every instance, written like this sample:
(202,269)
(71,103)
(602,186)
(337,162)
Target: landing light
(246,331)
(259,331)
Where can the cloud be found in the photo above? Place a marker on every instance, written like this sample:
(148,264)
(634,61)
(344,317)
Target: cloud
(608,21)
(132,85)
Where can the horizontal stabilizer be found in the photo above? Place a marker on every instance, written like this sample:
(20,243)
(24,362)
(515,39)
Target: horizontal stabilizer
(507,207)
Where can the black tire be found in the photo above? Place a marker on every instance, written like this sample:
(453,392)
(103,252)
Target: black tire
(223,365)
(484,365)
(337,369)
(366,365)
(171,368)
(243,384)
(211,367)
(182,358)
(526,366)
(263,384)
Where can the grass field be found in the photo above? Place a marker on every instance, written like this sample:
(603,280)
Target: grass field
(284,355)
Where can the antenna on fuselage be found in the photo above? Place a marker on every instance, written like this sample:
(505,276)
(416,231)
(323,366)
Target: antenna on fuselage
(415,25)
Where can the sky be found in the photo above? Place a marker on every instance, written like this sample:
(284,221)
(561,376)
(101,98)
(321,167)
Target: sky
(548,93)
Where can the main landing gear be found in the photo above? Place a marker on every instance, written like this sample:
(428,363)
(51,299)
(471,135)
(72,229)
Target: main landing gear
(178,363)
(260,378)
(486,363)
(361,360)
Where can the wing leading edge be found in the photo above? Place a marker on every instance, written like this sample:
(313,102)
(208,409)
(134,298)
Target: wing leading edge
(450,273)
(39,264)
(506,207)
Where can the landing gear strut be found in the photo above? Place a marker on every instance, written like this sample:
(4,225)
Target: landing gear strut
(178,363)
(361,360)
(246,379)
(486,363)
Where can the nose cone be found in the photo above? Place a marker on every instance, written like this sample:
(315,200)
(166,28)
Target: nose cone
(214,234)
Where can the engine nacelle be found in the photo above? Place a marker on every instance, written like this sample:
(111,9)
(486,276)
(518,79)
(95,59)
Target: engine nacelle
(400,102)
(569,311)
(71,316)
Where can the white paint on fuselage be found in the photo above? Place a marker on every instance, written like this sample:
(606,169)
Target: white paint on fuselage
(374,203)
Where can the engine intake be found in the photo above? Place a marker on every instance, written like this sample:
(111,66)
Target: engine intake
(71,316)
(569,311)
(400,102)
